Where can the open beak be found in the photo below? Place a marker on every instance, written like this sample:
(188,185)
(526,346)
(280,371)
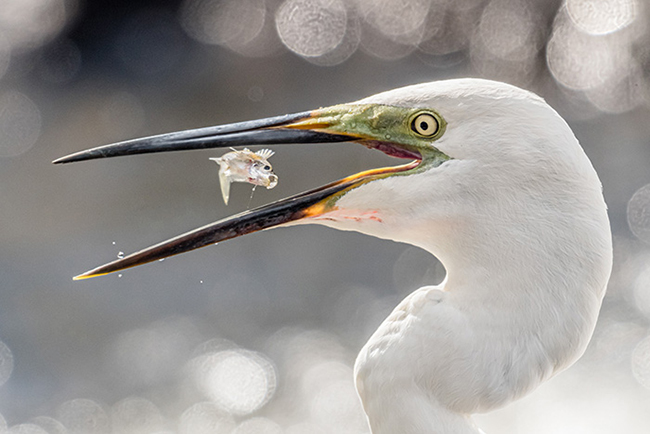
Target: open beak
(319,126)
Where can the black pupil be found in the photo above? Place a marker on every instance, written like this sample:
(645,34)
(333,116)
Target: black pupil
(267,167)
(424,126)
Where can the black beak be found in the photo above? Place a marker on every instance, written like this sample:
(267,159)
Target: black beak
(270,131)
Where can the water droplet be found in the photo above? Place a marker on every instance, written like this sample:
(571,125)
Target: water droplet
(119,275)
(161,259)
(201,282)
(113,242)
(120,255)
(387,136)
(250,199)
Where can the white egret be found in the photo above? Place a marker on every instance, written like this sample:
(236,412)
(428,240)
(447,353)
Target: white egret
(500,191)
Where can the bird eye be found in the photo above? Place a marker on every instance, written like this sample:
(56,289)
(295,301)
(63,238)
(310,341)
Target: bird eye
(425,124)
(267,167)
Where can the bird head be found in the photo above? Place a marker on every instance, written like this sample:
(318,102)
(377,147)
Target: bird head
(475,146)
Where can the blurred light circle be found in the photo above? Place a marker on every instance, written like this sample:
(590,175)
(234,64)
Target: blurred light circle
(136,415)
(258,425)
(311,28)
(572,104)
(266,44)
(20,123)
(638,213)
(395,18)
(26,428)
(28,24)
(213,345)
(231,23)
(621,93)
(238,381)
(614,341)
(337,404)
(6,363)
(150,355)
(60,62)
(322,374)
(641,362)
(303,348)
(205,418)
(50,425)
(520,73)
(642,292)
(383,47)
(448,29)
(508,30)
(598,17)
(580,61)
(346,48)
(83,416)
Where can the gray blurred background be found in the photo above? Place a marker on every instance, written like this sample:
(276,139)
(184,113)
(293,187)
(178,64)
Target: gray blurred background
(259,334)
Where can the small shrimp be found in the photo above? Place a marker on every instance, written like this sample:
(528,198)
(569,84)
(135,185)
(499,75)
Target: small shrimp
(245,166)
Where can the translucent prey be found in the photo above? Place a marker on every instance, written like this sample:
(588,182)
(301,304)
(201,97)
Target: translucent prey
(245,166)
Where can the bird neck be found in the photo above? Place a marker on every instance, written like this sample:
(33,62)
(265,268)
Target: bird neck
(519,304)
(536,281)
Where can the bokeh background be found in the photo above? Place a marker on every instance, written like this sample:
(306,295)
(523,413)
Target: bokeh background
(259,335)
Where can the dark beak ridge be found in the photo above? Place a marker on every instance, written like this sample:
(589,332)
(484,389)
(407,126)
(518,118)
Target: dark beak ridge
(268,131)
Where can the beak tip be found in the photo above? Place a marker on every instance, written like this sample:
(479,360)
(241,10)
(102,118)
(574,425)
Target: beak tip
(86,275)
(66,159)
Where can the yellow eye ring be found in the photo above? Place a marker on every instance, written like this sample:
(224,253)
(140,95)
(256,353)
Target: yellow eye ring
(425,124)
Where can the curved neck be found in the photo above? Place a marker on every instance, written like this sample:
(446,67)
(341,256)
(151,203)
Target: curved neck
(519,304)
(537,282)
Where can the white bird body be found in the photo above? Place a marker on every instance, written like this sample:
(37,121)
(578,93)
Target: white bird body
(503,195)
(518,220)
